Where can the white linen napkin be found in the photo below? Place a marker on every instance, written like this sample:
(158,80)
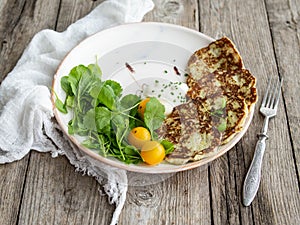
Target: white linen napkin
(26,115)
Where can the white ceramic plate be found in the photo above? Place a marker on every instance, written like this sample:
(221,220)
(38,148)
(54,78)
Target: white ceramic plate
(158,54)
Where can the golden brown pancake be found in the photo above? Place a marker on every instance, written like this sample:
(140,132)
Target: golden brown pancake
(191,131)
(235,89)
(219,55)
(239,82)
(220,95)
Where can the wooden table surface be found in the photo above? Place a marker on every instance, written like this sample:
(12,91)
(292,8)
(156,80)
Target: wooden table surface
(41,190)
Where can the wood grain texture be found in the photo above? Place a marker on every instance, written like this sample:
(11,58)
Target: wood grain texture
(13,177)
(229,18)
(284,19)
(16,31)
(41,190)
(55,194)
(183,198)
(70,11)
(181,12)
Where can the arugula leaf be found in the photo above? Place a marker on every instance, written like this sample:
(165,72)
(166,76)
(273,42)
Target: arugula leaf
(107,97)
(115,86)
(75,76)
(130,100)
(102,118)
(65,85)
(60,106)
(69,101)
(76,126)
(70,127)
(120,125)
(95,69)
(96,142)
(169,146)
(130,150)
(154,115)
(95,90)
(129,104)
(89,120)
(91,144)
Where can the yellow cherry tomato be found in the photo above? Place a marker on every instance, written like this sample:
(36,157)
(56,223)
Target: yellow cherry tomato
(153,152)
(138,136)
(142,107)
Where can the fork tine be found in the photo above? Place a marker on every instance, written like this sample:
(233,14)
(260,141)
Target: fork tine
(277,93)
(273,94)
(266,94)
(270,93)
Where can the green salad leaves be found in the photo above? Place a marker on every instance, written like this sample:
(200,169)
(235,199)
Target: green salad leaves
(104,116)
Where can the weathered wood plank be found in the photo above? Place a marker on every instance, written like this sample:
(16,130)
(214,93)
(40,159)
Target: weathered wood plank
(19,21)
(54,193)
(71,11)
(181,12)
(184,197)
(12,181)
(248,21)
(284,18)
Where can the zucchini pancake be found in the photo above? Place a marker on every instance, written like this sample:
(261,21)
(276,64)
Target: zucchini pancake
(220,96)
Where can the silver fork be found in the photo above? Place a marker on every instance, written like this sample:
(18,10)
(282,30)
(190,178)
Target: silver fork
(268,108)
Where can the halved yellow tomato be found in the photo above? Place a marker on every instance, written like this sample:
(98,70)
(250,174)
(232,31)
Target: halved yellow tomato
(138,136)
(153,152)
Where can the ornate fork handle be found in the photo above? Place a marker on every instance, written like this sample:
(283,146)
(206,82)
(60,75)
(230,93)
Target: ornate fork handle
(252,179)
(269,109)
